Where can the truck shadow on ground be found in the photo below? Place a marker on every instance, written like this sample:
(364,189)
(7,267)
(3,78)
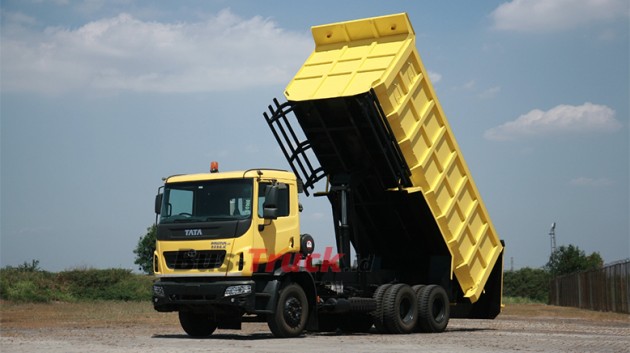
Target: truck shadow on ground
(469,329)
(373,332)
(266,336)
(223,336)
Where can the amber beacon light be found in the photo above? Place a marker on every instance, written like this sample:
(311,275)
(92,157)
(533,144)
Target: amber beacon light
(214,167)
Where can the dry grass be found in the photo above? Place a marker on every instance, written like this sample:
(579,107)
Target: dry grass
(81,315)
(528,311)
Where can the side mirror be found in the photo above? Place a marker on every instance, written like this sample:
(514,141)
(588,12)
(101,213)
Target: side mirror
(270,207)
(158,203)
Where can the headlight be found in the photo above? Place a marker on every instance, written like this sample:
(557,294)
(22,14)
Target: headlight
(236,290)
(158,291)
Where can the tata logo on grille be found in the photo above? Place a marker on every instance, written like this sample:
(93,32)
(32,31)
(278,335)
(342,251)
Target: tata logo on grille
(192,232)
(191,254)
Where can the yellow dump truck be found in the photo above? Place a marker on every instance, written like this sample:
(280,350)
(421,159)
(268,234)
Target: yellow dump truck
(403,201)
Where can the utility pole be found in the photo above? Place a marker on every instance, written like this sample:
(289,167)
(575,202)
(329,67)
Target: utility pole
(552,235)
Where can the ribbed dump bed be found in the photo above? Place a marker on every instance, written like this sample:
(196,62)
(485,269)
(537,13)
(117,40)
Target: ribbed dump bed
(368,72)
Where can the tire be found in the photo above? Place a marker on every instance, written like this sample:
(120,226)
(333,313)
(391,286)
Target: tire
(433,309)
(377,314)
(197,325)
(290,317)
(400,309)
(418,289)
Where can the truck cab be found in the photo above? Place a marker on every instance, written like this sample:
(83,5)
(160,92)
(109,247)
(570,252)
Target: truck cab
(216,234)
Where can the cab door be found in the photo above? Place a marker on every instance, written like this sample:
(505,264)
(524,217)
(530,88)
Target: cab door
(280,236)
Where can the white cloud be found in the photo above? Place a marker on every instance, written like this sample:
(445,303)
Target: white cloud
(472,88)
(469,85)
(554,15)
(560,120)
(490,92)
(590,182)
(124,53)
(435,77)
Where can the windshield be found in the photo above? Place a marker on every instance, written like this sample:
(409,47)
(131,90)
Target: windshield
(217,200)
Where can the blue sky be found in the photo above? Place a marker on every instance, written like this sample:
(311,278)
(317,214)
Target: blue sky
(101,99)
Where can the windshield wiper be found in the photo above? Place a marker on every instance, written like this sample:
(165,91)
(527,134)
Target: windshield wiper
(187,220)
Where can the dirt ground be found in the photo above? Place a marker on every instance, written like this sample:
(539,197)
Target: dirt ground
(135,327)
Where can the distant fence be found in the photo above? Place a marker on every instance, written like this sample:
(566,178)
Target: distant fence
(606,289)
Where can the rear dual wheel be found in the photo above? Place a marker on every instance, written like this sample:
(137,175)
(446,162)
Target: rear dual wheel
(433,309)
(396,309)
(377,315)
(402,309)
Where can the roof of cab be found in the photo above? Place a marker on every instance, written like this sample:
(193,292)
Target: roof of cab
(250,173)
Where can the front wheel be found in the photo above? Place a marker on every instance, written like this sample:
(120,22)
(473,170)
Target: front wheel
(291,314)
(197,325)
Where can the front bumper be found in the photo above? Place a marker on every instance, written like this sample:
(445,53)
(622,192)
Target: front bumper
(174,295)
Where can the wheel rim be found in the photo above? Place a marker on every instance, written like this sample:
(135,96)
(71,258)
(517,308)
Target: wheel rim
(293,311)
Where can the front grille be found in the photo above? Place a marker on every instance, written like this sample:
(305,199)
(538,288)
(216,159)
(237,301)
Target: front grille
(194,259)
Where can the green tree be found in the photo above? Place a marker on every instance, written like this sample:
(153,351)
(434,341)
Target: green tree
(144,250)
(594,261)
(532,283)
(33,266)
(569,259)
